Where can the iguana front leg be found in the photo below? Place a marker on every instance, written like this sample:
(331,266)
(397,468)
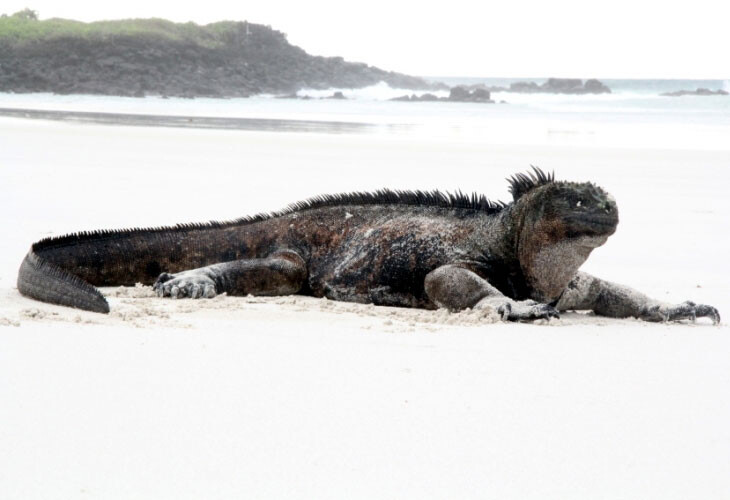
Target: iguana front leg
(282,273)
(618,301)
(456,287)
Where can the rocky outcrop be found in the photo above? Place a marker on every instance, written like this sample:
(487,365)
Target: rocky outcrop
(457,94)
(561,86)
(556,86)
(462,94)
(700,91)
(594,86)
(156,57)
(416,98)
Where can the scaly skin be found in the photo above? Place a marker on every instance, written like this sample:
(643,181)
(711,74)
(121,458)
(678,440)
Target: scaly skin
(406,249)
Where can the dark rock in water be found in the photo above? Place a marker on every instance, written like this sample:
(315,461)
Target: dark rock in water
(428,97)
(561,86)
(457,94)
(463,94)
(700,91)
(480,95)
(594,86)
(337,95)
(294,96)
(415,98)
(157,57)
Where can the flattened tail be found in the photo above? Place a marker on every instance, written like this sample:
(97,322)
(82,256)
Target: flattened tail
(44,281)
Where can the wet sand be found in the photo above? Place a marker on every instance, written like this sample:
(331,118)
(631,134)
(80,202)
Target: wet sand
(204,122)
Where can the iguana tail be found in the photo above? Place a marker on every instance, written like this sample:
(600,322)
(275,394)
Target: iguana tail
(45,281)
(65,270)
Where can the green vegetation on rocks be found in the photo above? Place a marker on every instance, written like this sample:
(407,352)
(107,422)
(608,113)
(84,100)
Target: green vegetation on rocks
(158,57)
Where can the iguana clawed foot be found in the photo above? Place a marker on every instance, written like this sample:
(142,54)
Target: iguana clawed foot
(526,310)
(685,310)
(191,284)
(523,310)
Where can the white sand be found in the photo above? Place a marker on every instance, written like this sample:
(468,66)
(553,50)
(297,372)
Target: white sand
(303,398)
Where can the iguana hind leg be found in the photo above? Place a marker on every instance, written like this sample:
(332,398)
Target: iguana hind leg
(281,273)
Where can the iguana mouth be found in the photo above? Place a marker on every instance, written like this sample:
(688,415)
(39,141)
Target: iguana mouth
(600,221)
(610,219)
(591,224)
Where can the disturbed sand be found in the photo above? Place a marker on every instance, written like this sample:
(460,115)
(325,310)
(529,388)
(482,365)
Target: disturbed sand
(140,307)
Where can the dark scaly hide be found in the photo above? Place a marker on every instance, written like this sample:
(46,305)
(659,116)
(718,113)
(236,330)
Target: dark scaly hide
(438,199)
(363,247)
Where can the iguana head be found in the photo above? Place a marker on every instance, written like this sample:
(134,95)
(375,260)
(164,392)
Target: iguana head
(558,225)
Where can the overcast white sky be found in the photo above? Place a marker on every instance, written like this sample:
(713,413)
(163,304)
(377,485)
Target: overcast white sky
(511,38)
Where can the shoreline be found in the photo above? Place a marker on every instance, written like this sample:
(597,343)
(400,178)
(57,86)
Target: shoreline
(199,122)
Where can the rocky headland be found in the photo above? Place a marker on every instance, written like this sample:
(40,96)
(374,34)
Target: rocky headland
(141,57)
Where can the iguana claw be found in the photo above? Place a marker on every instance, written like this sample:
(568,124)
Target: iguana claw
(686,310)
(185,284)
(526,310)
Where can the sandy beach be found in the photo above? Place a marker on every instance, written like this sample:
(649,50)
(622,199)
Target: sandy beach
(295,397)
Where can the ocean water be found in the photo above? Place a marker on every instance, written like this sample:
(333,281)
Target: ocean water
(633,115)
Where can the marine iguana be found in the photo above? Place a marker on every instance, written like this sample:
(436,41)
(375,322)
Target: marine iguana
(396,248)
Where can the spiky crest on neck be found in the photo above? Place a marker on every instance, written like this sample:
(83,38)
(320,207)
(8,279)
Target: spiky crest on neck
(524,183)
